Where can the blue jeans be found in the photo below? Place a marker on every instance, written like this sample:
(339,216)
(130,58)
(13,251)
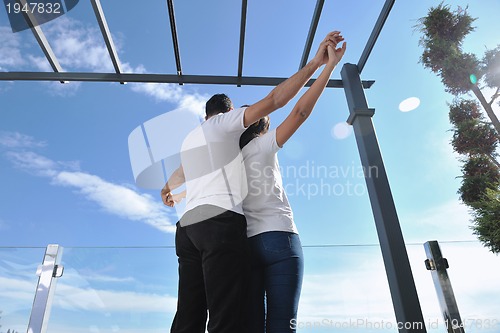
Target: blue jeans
(277,265)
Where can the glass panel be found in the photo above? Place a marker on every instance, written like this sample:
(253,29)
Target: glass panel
(116,290)
(134,289)
(339,292)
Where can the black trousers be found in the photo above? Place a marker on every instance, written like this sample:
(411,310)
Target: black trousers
(213,272)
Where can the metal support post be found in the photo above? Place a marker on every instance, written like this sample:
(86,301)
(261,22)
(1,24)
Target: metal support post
(438,265)
(47,272)
(401,284)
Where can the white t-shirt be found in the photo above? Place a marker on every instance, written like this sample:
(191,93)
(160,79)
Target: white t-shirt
(213,164)
(266,205)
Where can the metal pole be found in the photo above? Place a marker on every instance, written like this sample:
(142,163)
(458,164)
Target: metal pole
(40,37)
(438,265)
(175,40)
(157,78)
(47,272)
(243,24)
(106,35)
(397,265)
(384,14)
(312,32)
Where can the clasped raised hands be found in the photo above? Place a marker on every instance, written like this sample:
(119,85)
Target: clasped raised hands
(328,52)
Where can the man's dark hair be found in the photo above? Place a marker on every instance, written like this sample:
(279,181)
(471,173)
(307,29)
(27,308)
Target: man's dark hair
(261,126)
(218,103)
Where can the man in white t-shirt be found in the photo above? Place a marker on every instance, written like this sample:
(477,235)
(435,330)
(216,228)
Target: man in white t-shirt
(211,236)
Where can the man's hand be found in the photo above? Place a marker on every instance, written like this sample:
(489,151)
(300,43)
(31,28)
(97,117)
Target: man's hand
(332,39)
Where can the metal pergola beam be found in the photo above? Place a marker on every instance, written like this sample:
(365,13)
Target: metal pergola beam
(384,13)
(312,32)
(175,41)
(40,37)
(157,78)
(101,20)
(243,23)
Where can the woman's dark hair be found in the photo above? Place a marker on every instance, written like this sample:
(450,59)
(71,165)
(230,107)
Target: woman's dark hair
(218,103)
(258,128)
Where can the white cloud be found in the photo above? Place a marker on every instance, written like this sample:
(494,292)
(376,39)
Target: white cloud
(75,45)
(59,89)
(173,93)
(115,199)
(10,49)
(81,48)
(78,46)
(159,91)
(346,293)
(32,162)
(75,298)
(19,140)
(107,278)
(57,328)
(447,221)
(194,102)
(39,63)
(19,292)
(70,297)
(77,293)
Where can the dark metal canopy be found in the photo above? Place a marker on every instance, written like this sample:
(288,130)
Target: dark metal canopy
(239,80)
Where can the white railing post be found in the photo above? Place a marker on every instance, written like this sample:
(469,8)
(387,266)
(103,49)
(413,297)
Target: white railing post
(48,272)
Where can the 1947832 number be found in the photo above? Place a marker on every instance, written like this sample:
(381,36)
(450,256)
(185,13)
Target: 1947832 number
(34,8)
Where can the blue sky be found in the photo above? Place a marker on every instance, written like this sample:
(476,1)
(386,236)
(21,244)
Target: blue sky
(67,177)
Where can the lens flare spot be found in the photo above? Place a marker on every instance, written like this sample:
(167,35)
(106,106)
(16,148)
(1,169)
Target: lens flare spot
(473,79)
(409,104)
(341,131)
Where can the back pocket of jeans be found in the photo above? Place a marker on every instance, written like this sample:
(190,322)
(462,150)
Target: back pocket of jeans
(276,242)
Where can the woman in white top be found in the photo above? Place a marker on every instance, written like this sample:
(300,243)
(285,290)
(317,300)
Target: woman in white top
(275,249)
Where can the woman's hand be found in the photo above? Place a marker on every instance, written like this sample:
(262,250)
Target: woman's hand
(331,40)
(335,53)
(170,199)
(166,197)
